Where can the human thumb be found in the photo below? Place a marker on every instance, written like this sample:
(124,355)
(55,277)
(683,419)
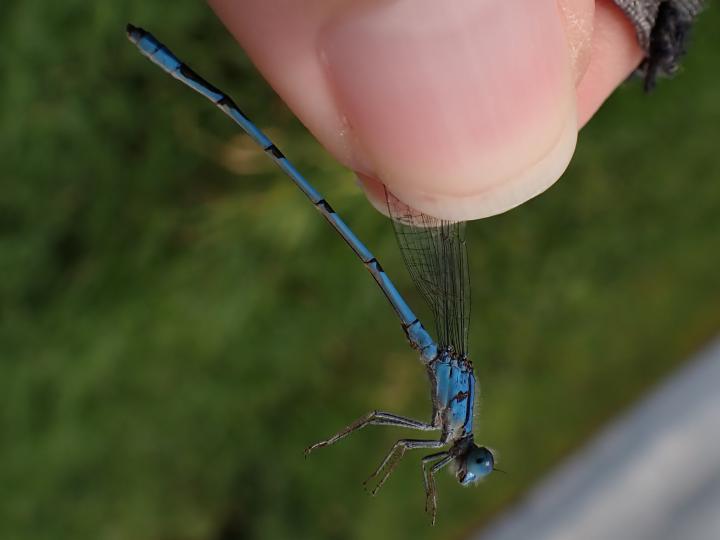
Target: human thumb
(463,109)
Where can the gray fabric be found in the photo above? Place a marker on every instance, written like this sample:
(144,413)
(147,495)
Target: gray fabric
(644,13)
(662,28)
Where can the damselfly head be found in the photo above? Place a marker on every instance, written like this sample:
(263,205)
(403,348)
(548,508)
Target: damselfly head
(476,463)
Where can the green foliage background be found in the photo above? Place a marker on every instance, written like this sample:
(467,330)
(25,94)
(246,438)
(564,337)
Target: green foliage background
(177,323)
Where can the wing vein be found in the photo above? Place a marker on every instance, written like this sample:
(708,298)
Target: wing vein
(435,255)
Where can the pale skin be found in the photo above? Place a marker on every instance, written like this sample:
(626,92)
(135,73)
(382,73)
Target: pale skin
(464,109)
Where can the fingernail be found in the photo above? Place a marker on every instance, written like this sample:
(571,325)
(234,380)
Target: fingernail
(464,109)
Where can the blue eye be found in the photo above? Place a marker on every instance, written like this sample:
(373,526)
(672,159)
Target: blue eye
(479,462)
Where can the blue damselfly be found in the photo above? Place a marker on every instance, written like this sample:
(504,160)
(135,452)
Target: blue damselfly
(435,253)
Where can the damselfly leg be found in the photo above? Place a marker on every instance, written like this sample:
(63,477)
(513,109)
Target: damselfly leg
(394,456)
(374,418)
(441,459)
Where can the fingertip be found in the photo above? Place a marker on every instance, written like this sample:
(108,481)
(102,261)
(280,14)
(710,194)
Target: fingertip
(506,193)
(456,119)
(459,120)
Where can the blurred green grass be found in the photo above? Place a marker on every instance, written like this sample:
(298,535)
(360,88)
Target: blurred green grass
(177,323)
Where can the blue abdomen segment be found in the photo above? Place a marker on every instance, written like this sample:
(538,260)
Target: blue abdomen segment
(162,56)
(454,390)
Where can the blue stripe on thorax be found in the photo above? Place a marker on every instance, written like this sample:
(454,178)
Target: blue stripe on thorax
(454,392)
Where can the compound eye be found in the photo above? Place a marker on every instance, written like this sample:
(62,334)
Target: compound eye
(481,462)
